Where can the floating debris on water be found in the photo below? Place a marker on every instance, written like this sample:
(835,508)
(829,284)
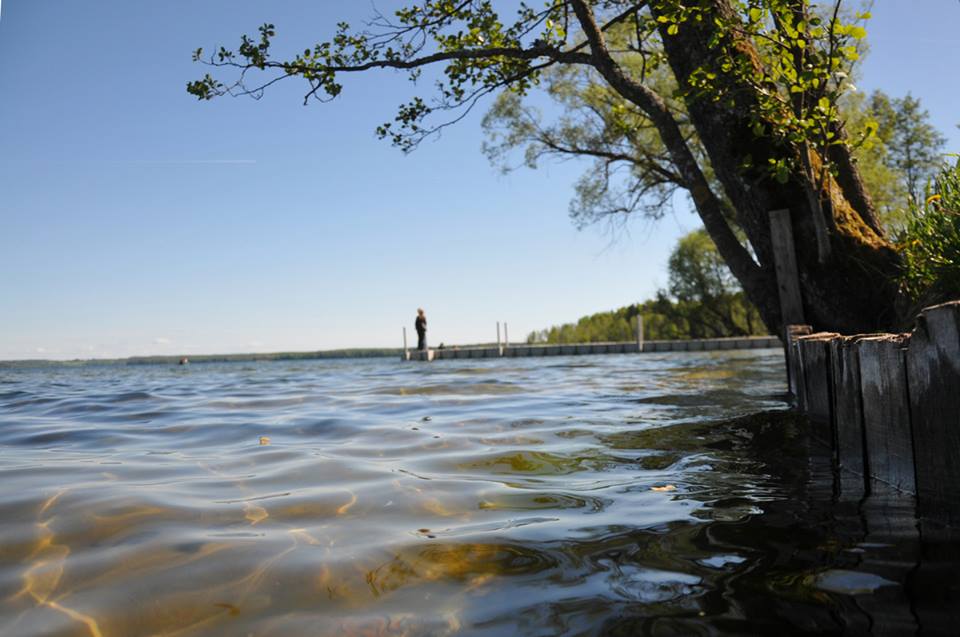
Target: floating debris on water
(666,487)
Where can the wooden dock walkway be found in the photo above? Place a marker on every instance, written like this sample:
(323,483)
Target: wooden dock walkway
(586,349)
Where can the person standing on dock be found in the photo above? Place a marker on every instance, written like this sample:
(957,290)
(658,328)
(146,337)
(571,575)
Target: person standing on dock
(421,325)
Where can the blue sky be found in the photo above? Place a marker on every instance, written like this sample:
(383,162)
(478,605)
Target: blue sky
(135,220)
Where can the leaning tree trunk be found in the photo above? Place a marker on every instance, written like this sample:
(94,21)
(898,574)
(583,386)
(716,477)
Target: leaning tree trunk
(847,288)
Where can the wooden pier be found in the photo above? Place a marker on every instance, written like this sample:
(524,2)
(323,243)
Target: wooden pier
(888,405)
(586,349)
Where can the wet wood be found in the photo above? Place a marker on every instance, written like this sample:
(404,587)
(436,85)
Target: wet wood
(785,263)
(886,410)
(848,411)
(817,385)
(891,550)
(791,334)
(933,365)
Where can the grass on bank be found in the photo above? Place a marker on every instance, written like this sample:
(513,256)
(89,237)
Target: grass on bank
(929,242)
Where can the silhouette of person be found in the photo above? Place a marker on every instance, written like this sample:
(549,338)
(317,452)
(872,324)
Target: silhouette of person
(421,325)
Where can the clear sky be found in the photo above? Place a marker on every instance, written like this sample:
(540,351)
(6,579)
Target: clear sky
(135,220)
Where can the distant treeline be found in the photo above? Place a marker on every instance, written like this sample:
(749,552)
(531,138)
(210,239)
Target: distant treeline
(704,300)
(368,352)
(663,319)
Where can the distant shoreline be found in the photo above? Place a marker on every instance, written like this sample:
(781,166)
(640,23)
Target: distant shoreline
(360,352)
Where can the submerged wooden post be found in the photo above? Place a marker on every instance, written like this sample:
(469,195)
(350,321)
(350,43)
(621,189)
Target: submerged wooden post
(815,376)
(848,410)
(788,280)
(886,410)
(933,370)
(791,351)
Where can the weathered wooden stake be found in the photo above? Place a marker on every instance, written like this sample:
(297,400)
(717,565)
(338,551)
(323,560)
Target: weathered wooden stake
(791,351)
(886,410)
(499,347)
(815,362)
(639,332)
(406,350)
(785,263)
(933,371)
(848,408)
(506,336)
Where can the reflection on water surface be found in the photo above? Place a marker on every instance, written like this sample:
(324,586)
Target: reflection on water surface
(564,496)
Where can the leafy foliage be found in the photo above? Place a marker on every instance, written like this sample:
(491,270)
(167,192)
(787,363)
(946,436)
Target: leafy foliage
(631,169)
(930,242)
(904,153)
(479,52)
(799,68)
(914,146)
(800,72)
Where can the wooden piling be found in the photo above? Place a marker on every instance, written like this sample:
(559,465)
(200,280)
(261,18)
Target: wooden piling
(814,353)
(785,265)
(791,352)
(886,410)
(894,402)
(933,366)
(848,413)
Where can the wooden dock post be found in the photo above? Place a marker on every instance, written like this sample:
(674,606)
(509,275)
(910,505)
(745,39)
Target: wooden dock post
(506,337)
(785,263)
(817,385)
(639,332)
(788,284)
(406,350)
(933,369)
(894,404)
(848,413)
(792,352)
(499,347)
(886,410)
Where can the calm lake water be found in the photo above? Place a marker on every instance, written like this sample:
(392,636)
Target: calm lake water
(600,495)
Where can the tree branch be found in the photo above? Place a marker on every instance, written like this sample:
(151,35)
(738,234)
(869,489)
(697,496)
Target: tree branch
(708,205)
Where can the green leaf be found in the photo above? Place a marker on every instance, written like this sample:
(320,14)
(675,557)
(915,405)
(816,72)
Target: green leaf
(858,33)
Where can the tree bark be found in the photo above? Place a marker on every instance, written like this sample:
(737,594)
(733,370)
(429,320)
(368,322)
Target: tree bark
(852,289)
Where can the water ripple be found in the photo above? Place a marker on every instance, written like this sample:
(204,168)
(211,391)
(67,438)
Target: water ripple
(529,496)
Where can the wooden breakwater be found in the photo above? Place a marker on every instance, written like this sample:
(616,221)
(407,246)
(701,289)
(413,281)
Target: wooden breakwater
(581,349)
(888,405)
